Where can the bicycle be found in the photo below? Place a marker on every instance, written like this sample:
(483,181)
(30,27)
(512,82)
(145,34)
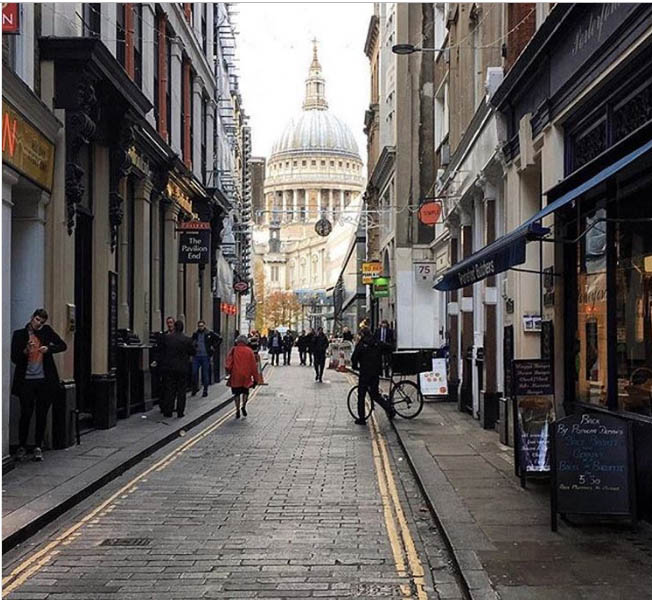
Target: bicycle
(404,396)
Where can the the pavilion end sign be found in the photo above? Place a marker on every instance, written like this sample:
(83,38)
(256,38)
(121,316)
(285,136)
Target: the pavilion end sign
(194,242)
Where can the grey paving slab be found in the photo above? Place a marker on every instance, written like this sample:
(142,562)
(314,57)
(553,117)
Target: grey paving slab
(500,533)
(34,494)
(284,503)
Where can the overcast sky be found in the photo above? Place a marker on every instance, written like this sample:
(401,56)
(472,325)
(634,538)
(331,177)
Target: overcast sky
(275,51)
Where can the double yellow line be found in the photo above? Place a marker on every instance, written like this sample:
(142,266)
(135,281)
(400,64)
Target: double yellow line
(38,560)
(406,558)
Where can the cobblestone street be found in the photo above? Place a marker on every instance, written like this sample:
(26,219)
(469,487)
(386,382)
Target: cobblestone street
(294,501)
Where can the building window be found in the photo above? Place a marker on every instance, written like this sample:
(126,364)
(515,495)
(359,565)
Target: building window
(332,163)
(92,19)
(294,163)
(313,163)
(138,43)
(303,163)
(204,137)
(204,31)
(323,163)
(120,34)
(156,70)
(274,274)
(168,91)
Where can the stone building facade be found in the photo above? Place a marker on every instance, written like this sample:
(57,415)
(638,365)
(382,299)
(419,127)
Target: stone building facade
(314,171)
(140,109)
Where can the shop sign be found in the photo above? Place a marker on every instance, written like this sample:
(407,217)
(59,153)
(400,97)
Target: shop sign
(381,287)
(229,309)
(194,242)
(424,271)
(242,287)
(10,18)
(429,213)
(370,271)
(592,467)
(175,192)
(25,149)
(534,412)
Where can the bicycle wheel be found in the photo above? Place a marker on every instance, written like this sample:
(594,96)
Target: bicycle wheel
(352,403)
(406,398)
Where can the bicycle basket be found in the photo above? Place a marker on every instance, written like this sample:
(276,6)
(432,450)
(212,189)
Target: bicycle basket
(410,362)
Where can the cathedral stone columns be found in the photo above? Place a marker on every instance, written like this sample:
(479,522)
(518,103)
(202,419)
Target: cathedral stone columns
(295,210)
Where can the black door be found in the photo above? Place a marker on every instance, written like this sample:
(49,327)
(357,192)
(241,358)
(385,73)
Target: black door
(83,311)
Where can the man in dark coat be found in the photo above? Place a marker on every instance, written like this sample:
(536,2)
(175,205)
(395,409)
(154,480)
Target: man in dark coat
(288,342)
(319,347)
(310,336)
(385,335)
(302,343)
(206,343)
(177,350)
(275,343)
(36,380)
(367,358)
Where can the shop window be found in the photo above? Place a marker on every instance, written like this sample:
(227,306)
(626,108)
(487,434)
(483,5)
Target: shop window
(633,305)
(591,353)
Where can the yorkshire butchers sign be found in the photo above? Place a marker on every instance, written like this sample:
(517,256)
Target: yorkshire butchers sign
(194,242)
(476,272)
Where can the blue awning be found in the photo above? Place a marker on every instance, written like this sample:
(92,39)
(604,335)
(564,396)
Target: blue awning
(509,250)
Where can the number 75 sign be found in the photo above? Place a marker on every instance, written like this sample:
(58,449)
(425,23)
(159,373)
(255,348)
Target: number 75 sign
(424,271)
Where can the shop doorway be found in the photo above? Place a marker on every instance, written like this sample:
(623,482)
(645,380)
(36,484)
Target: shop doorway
(83,310)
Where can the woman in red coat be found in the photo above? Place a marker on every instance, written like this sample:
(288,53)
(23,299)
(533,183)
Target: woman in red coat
(243,373)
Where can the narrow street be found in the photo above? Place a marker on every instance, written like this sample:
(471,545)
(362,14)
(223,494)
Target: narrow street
(294,501)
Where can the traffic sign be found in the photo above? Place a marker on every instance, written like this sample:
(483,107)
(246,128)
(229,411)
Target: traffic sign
(242,287)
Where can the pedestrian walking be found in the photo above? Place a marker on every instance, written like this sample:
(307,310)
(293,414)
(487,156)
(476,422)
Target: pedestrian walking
(367,359)
(310,336)
(319,347)
(275,346)
(385,335)
(288,343)
(36,379)
(263,342)
(158,362)
(302,343)
(177,350)
(206,342)
(243,373)
(347,336)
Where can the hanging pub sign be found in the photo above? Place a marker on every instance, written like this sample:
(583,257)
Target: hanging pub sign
(592,467)
(381,287)
(194,242)
(534,412)
(429,213)
(370,271)
(10,17)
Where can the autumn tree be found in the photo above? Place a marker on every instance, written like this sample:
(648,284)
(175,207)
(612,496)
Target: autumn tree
(282,308)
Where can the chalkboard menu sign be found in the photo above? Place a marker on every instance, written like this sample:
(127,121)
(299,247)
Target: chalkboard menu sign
(592,467)
(534,411)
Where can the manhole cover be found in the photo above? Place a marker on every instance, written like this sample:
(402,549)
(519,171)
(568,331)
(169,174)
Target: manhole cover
(130,542)
(376,590)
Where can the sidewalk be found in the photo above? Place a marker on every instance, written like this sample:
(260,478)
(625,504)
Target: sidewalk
(500,534)
(34,494)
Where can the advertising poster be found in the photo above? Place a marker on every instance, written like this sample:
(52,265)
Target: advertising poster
(534,413)
(435,382)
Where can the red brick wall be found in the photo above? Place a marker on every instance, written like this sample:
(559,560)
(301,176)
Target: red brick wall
(521,23)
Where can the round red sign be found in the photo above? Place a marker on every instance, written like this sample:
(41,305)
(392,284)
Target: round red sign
(429,213)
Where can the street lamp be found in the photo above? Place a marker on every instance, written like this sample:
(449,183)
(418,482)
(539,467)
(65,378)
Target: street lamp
(411,48)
